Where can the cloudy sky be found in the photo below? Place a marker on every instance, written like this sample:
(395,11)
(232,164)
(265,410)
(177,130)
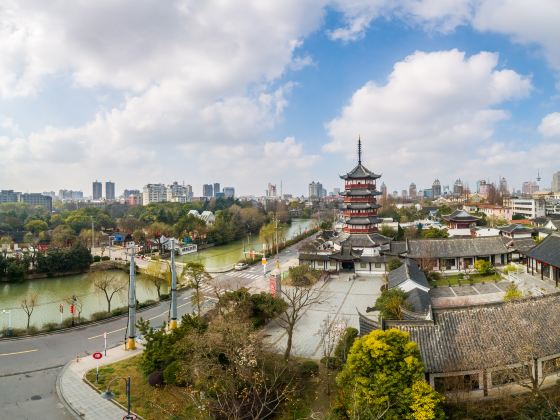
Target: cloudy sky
(245,92)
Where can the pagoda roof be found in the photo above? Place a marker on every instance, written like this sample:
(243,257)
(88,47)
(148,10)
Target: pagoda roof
(359,192)
(361,220)
(461,215)
(360,172)
(361,206)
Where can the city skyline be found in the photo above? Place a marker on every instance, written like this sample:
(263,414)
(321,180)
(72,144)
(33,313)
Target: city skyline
(232,107)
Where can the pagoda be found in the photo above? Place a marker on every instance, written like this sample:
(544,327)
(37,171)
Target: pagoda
(360,205)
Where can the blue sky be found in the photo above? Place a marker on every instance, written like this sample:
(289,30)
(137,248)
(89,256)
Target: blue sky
(250,93)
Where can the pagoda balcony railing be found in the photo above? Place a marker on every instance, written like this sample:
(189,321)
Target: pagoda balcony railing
(361,214)
(349,229)
(366,199)
(358,186)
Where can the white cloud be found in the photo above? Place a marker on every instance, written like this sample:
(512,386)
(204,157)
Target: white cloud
(550,125)
(435,110)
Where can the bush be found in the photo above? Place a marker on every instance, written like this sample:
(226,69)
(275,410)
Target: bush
(105,258)
(164,296)
(484,267)
(98,316)
(96,258)
(146,303)
(156,378)
(345,343)
(170,374)
(433,275)
(50,326)
(303,275)
(119,311)
(393,264)
(332,363)
(308,369)
(68,322)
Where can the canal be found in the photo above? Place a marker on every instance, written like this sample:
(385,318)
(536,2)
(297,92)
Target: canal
(225,256)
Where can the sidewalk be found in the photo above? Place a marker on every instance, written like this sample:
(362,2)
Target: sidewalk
(79,398)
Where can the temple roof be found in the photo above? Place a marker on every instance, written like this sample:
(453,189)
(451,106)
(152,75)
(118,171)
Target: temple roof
(409,270)
(361,220)
(362,240)
(359,192)
(360,206)
(451,248)
(360,172)
(461,216)
(548,251)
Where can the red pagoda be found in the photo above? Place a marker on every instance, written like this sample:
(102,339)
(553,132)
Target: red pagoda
(360,205)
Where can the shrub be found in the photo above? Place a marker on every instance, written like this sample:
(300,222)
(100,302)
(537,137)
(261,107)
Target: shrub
(433,275)
(155,378)
(164,296)
(303,275)
(345,343)
(170,374)
(308,369)
(146,303)
(512,293)
(332,363)
(105,258)
(393,264)
(96,258)
(98,316)
(510,268)
(50,326)
(68,322)
(119,311)
(483,267)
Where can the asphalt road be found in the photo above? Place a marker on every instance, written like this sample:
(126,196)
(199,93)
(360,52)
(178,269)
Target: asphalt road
(29,366)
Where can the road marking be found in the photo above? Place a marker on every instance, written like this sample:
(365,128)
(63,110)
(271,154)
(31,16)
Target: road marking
(110,332)
(18,352)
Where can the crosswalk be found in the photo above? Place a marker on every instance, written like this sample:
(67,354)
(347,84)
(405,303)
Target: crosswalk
(206,290)
(247,275)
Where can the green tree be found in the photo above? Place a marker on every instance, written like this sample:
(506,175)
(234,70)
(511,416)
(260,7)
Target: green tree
(390,303)
(196,275)
(388,231)
(393,264)
(384,377)
(36,226)
(63,236)
(483,267)
(432,233)
(512,292)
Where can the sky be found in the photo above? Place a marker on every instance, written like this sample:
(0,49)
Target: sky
(248,92)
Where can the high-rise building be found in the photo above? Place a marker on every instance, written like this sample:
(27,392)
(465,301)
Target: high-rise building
(555,187)
(404,194)
(412,190)
(504,186)
(189,191)
(216,188)
(529,187)
(36,199)
(229,192)
(315,189)
(128,193)
(69,195)
(177,193)
(97,190)
(154,193)
(207,190)
(436,189)
(9,196)
(383,190)
(109,190)
(458,188)
(271,190)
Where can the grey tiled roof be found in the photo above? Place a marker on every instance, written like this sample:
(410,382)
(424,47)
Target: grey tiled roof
(360,206)
(419,300)
(397,248)
(461,215)
(460,247)
(514,228)
(361,220)
(360,171)
(407,271)
(474,338)
(359,192)
(364,240)
(548,250)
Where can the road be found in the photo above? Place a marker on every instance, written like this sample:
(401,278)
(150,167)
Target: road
(29,366)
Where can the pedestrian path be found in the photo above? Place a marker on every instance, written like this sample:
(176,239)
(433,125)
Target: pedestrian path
(82,400)
(247,275)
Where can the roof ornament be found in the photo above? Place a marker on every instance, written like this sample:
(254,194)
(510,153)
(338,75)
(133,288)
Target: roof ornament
(359,151)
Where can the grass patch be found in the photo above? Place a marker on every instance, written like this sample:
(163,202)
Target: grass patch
(460,280)
(166,402)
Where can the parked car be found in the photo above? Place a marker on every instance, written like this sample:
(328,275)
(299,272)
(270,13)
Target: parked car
(240,266)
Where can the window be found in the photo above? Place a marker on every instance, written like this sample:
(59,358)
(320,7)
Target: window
(363,265)
(332,264)
(377,265)
(506,376)
(456,383)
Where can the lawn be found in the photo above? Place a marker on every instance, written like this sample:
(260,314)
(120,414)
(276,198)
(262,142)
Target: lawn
(166,402)
(460,280)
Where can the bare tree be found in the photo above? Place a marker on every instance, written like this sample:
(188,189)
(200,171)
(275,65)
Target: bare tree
(110,284)
(196,276)
(28,305)
(331,330)
(298,300)
(78,306)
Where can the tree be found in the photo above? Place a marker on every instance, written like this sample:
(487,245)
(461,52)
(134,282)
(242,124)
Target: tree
(156,230)
(157,277)
(390,303)
(384,377)
(78,306)
(298,299)
(303,275)
(63,236)
(483,267)
(512,292)
(28,305)
(434,233)
(196,275)
(388,231)
(35,226)
(345,344)
(332,329)
(393,264)
(110,284)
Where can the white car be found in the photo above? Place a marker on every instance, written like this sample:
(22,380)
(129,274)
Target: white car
(240,266)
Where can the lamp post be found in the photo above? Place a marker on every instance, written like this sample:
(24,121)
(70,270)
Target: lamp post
(131,330)
(173,321)
(9,312)
(108,395)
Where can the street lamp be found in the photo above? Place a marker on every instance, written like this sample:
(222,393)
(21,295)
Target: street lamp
(109,395)
(9,312)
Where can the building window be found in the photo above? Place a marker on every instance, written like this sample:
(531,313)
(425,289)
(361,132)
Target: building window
(332,264)
(506,376)
(377,265)
(363,265)
(456,383)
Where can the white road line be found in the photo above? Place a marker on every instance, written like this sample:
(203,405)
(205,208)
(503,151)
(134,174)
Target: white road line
(18,352)
(110,332)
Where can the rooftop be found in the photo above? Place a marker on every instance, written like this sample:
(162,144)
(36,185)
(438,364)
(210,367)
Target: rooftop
(455,247)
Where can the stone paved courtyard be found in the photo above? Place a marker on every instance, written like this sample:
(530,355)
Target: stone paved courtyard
(343,299)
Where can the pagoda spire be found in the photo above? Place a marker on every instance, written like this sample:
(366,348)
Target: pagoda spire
(359,151)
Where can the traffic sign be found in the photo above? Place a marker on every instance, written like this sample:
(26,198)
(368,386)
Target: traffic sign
(97,355)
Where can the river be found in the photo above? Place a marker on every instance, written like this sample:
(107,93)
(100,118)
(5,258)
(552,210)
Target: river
(225,256)
(51,293)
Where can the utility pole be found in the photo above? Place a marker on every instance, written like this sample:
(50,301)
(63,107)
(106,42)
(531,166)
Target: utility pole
(173,321)
(92,234)
(131,336)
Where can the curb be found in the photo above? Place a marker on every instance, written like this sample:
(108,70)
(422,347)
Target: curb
(60,394)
